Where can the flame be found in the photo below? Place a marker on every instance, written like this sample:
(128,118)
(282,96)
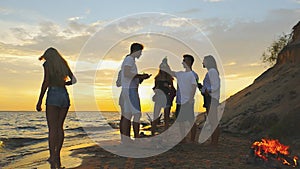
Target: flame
(295,161)
(268,147)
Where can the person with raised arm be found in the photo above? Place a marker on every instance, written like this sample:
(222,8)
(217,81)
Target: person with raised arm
(187,82)
(163,97)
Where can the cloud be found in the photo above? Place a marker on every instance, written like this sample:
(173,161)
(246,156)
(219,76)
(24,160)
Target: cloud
(89,80)
(190,11)
(245,40)
(76,28)
(109,64)
(232,76)
(22,34)
(20,72)
(175,22)
(230,64)
(14,50)
(69,39)
(238,42)
(129,25)
(255,64)
(75,18)
(224,35)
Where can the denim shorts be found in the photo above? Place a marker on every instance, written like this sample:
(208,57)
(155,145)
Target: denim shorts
(58,96)
(131,101)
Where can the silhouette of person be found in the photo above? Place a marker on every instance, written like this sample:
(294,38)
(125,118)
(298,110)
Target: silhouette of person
(211,95)
(56,73)
(187,82)
(130,80)
(163,97)
(121,104)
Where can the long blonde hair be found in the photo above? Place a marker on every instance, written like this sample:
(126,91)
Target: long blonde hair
(58,66)
(210,62)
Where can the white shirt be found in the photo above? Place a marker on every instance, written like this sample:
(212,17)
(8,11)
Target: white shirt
(211,82)
(127,82)
(186,81)
(178,97)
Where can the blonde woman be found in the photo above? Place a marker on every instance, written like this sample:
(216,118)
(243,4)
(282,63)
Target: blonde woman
(211,94)
(57,75)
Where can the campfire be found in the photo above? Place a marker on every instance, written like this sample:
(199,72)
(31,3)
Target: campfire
(269,150)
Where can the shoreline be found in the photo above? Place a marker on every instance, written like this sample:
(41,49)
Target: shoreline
(39,160)
(233,151)
(91,155)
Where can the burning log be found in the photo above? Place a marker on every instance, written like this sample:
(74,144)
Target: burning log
(269,150)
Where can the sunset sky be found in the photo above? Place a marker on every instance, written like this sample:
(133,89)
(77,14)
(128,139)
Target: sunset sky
(94,38)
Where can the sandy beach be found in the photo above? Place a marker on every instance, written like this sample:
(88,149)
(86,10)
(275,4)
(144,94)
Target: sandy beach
(232,152)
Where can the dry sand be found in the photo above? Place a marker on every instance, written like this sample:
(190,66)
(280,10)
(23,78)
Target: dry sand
(232,152)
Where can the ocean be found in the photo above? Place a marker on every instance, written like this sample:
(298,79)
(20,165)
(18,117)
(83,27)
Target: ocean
(25,133)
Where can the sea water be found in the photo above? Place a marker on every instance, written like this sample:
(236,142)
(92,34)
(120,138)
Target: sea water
(26,133)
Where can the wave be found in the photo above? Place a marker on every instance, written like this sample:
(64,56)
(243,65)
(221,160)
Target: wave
(14,143)
(36,120)
(7,124)
(80,129)
(81,135)
(26,128)
(89,128)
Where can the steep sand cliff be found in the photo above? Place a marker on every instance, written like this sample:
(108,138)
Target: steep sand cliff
(271,105)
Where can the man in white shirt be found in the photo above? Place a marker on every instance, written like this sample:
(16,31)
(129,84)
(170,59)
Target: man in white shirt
(186,88)
(130,80)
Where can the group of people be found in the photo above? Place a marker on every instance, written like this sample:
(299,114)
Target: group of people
(58,75)
(165,92)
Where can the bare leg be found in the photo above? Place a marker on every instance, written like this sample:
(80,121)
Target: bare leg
(182,131)
(155,118)
(60,133)
(128,127)
(136,125)
(136,129)
(125,125)
(167,117)
(121,125)
(178,106)
(193,133)
(213,119)
(215,136)
(153,127)
(52,117)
